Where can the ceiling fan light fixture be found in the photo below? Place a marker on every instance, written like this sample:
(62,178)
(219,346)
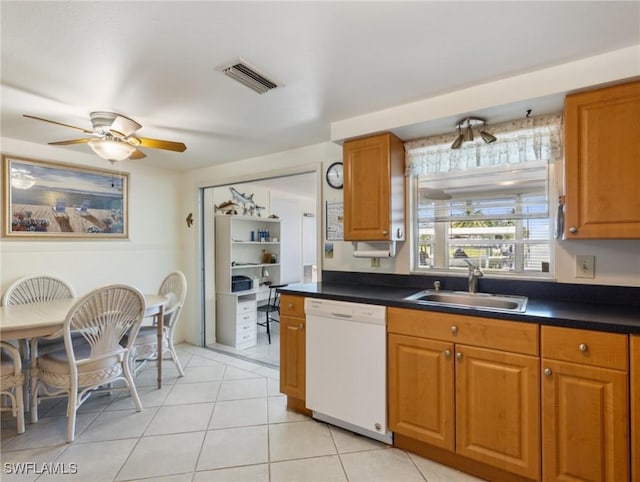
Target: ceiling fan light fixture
(112,150)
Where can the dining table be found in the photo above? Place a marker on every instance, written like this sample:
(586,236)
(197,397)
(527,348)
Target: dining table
(30,320)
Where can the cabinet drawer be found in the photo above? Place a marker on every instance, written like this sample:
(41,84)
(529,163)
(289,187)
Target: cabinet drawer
(588,347)
(245,340)
(250,317)
(292,305)
(510,336)
(246,329)
(247,306)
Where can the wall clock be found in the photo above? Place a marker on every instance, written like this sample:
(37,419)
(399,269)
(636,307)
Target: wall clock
(335,177)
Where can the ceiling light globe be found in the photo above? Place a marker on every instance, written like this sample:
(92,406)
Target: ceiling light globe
(111,150)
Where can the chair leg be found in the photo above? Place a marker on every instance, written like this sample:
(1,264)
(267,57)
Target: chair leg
(268,321)
(71,413)
(34,397)
(132,387)
(20,409)
(174,356)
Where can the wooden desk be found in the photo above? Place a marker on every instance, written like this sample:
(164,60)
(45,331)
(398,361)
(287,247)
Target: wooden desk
(42,319)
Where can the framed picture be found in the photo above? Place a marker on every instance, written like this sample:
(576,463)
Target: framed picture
(50,200)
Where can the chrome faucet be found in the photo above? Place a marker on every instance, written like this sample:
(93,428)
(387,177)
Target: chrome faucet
(474,273)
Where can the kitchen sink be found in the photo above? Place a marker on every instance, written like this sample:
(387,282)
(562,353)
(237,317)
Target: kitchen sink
(463,299)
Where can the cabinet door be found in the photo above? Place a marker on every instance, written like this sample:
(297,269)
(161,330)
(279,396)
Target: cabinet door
(421,389)
(601,163)
(371,165)
(585,422)
(498,409)
(292,356)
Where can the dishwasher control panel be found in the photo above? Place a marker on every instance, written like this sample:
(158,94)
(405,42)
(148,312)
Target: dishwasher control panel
(346,310)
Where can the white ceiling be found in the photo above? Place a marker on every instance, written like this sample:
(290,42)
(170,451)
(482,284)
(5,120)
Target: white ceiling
(156,62)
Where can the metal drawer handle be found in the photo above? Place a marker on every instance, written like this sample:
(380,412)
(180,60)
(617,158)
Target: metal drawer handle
(583,347)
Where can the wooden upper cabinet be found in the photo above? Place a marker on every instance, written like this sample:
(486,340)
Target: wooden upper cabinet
(602,163)
(374,189)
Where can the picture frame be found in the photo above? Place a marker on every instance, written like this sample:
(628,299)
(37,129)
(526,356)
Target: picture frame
(44,199)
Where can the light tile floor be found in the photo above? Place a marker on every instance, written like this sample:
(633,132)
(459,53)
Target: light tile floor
(263,352)
(225,420)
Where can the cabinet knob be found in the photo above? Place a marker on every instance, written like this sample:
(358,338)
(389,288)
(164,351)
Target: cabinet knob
(583,347)
(454,329)
(573,230)
(447,353)
(459,355)
(290,306)
(378,427)
(301,326)
(385,232)
(547,372)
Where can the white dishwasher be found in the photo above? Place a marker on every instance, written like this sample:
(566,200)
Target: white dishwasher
(346,375)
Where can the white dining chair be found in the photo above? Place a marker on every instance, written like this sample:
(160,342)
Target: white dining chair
(38,288)
(145,347)
(12,382)
(102,318)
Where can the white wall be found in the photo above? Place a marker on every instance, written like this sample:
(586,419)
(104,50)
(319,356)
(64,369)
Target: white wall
(151,252)
(295,161)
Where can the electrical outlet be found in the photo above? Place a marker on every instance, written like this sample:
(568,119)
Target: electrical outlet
(585,266)
(375,262)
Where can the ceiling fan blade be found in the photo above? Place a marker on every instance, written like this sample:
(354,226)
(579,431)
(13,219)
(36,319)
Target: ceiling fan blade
(58,123)
(160,144)
(137,154)
(123,126)
(67,143)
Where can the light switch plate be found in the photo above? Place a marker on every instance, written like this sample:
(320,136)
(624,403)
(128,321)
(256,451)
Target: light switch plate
(585,266)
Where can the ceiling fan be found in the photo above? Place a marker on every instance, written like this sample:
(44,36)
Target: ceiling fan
(113,137)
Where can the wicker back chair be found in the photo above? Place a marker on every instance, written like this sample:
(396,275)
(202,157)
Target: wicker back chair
(12,381)
(36,289)
(174,287)
(102,318)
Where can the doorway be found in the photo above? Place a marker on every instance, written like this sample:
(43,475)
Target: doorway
(289,203)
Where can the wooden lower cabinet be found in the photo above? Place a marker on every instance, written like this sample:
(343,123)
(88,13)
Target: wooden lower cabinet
(585,405)
(497,409)
(292,350)
(634,355)
(481,404)
(421,389)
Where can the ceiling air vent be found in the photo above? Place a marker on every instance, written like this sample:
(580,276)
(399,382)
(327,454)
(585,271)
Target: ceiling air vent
(247,75)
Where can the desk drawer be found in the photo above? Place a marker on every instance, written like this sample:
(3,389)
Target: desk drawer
(588,347)
(247,306)
(250,317)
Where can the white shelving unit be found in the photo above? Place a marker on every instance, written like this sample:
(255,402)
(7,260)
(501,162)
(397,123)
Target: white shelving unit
(241,253)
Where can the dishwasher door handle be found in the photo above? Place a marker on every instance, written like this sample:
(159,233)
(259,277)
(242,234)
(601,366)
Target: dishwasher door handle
(341,315)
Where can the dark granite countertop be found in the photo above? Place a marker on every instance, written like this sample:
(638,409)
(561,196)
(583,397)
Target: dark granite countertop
(572,314)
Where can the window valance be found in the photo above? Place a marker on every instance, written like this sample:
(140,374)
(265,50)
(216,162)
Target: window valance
(519,141)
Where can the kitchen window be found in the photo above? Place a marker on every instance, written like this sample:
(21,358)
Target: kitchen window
(486,203)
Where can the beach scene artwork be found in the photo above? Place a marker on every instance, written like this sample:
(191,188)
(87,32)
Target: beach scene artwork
(55,200)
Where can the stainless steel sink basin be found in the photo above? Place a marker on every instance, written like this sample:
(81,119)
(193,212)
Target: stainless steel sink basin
(463,299)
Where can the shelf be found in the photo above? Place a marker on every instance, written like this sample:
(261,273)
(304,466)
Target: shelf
(254,242)
(260,265)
